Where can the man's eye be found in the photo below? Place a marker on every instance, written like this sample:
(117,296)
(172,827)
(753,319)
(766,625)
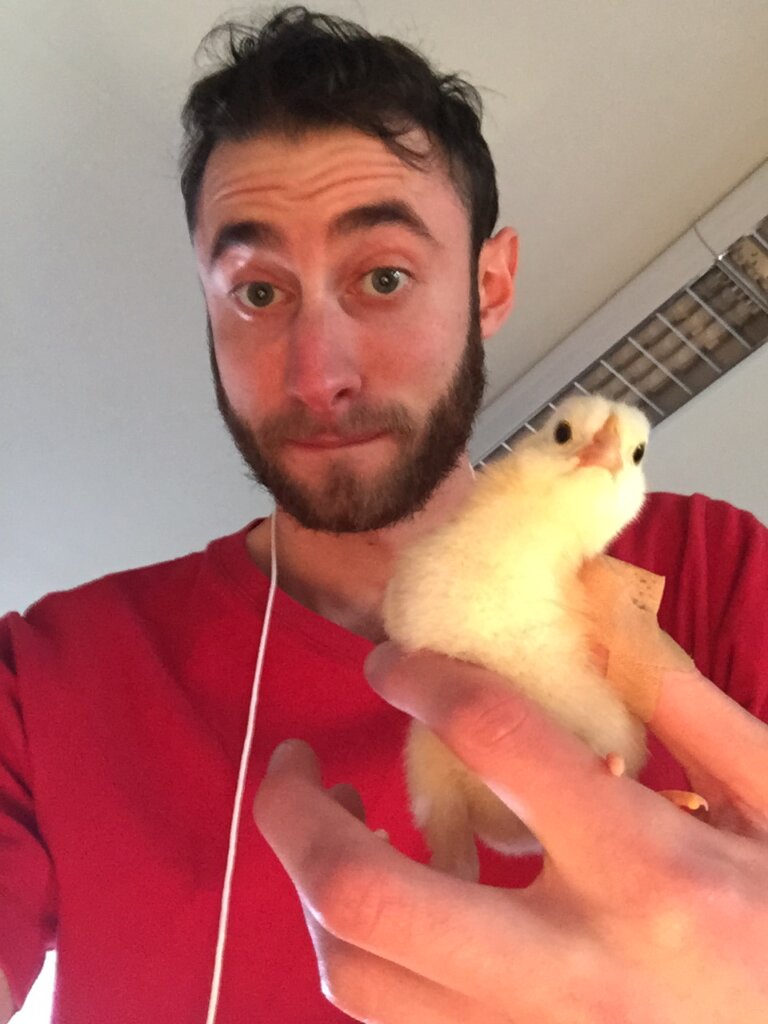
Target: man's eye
(384,280)
(258,294)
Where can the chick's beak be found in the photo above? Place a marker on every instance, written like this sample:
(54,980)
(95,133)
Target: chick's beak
(604,449)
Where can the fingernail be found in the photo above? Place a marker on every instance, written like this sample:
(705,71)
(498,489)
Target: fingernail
(280,754)
(379,660)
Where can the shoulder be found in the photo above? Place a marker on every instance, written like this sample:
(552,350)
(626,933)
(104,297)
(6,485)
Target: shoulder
(123,585)
(147,593)
(93,617)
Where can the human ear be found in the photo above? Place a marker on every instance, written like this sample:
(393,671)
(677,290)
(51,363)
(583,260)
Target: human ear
(496,269)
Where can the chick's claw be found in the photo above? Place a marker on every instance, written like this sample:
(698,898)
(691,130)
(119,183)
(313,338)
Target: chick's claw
(615,764)
(686,801)
(682,798)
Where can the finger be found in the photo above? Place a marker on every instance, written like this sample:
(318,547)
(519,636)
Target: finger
(349,799)
(371,989)
(369,895)
(564,792)
(723,748)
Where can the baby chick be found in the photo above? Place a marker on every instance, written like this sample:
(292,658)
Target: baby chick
(498,586)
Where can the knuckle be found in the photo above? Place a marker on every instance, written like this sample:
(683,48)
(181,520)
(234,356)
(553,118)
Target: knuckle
(349,897)
(671,925)
(724,892)
(698,892)
(491,722)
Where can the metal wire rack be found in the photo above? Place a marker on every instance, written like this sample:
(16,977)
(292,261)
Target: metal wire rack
(700,333)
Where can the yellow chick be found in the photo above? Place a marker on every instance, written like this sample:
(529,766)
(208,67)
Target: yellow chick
(498,586)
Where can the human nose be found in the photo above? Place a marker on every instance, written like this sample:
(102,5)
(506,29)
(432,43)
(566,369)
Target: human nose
(322,367)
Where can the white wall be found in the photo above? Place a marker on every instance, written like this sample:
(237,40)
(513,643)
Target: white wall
(39,1005)
(613,134)
(717,444)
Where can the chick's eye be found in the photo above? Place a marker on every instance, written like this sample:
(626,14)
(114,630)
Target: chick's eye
(384,280)
(257,294)
(638,453)
(563,432)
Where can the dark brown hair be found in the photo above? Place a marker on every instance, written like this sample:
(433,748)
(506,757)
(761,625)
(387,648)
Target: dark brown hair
(302,70)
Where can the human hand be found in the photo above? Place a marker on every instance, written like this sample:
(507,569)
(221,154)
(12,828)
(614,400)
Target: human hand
(641,912)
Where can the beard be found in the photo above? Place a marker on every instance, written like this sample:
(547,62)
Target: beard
(346,502)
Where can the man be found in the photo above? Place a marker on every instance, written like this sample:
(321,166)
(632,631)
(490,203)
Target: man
(341,203)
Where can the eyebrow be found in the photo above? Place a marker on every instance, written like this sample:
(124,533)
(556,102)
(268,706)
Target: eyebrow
(389,211)
(259,234)
(254,234)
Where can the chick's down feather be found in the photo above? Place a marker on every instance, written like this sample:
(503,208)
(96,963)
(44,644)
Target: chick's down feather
(498,586)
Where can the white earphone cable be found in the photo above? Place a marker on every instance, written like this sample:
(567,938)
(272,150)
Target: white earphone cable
(244,759)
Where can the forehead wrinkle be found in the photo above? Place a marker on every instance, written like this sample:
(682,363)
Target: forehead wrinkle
(339,148)
(232,184)
(289,193)
(312,188)
(372,165)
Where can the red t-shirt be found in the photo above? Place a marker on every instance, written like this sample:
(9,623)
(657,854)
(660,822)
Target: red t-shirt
(123,707)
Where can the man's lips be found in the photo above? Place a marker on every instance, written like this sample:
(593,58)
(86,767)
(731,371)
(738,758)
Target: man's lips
(333,441)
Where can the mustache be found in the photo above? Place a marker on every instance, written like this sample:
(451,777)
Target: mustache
(300,424)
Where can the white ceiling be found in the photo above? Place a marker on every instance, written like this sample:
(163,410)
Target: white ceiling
(615,124)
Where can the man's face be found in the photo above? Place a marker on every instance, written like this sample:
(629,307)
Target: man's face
(344,324)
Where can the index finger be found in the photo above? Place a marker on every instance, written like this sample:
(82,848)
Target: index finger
(365,892)
(556,784)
